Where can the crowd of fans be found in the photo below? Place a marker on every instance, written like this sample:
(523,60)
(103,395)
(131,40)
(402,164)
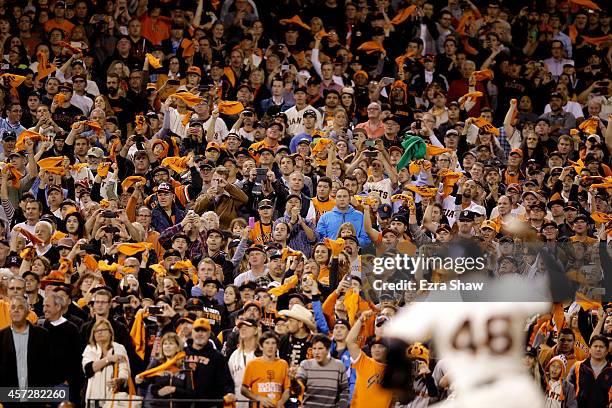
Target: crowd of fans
(193,193)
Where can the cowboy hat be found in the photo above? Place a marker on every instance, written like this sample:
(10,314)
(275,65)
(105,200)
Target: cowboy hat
(299,312)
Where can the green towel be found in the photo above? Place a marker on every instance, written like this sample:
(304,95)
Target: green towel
(414,149)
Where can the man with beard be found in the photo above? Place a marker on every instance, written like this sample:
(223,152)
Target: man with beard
(211,375)
(275,270)
(118,103)
(560,121)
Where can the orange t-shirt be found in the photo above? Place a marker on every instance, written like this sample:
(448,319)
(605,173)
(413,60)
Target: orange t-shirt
(66,26)
(155,31)
(267,378)
(261,233)
(321,207)
(368,391)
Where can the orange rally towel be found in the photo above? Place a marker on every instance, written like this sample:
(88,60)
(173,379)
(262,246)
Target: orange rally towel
(483,75)
(160,369)
(401,197)
(190,99)
(230,107)
(449,179)
(75,50)
(371,47)
(321,145)
(15,173)
(27,134)
(132,248)
(44,68)
(435,150)
(485,125)
(188,48)
(154,62)
(289,284)
(103,169)
(403,15)
(14,80)
(423,191)
(31,237)
(138,334)
(294,20)
(131,180)
(600,217)
(590,125)
(336,245)
(598,41)
(351,302)
(470,95)
(586,3)
(176,163)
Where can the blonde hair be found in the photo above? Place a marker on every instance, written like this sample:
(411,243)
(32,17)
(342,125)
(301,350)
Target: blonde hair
(98,323)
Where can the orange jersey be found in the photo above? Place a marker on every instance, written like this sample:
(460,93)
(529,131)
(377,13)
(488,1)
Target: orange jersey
(321,207)
(368,391)
(267,378)
(261,233)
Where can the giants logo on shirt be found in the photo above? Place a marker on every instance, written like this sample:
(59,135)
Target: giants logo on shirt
(374,379)
(269,387)
(194,360)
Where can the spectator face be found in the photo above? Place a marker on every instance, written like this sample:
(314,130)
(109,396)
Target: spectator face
(51,310)
(327,71)
(16,288)
(165,199)
(565,344)
(200,336)
(557,50)
(598,350)
(342,199)
(280,233)
(31,284)
(252,312)
(331,101)
(32,211)
(256,258)
(269,348)
(101,305)
(319,352)
(214,241)
(340,332)
(580,227)
(556,104)
(379,352)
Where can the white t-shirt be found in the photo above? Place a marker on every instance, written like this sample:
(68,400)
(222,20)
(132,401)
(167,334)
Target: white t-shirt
(382,187)
(237,364)
(572,107)
(295,117)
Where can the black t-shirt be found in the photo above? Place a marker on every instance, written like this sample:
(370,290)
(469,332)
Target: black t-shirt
(65,117)
(123,110)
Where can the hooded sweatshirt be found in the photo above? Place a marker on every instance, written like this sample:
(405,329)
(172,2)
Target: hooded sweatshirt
(330,222)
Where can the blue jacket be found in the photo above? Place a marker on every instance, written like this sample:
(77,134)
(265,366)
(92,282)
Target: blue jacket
(330,222)
(160,220)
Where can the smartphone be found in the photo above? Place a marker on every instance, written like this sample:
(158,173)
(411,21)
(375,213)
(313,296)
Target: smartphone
(418,124)
(387,81)
(262,175)
(75,44)
(123,300)
(284,67)
(174,82)
(156,310)
(370,143)
(139,139)
(251,222)
(247,114)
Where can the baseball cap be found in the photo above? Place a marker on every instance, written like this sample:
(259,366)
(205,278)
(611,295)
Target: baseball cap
(309,112)
(466,215)
(194,70)
(201,323)
(95,152)
(516,152)
(385,211)
(265,204)
(164,187)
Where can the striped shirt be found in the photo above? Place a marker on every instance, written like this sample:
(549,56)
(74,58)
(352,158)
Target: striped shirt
(324,385)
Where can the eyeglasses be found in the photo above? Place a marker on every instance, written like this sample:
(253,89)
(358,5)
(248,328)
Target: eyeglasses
(101,331)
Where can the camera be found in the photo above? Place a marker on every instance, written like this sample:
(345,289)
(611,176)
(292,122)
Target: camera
(156,310)
(109,213)
(262,175)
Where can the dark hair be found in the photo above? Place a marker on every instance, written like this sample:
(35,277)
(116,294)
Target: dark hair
(325,180)
(268,335)
(567,331)
(599,337)
(321,338)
